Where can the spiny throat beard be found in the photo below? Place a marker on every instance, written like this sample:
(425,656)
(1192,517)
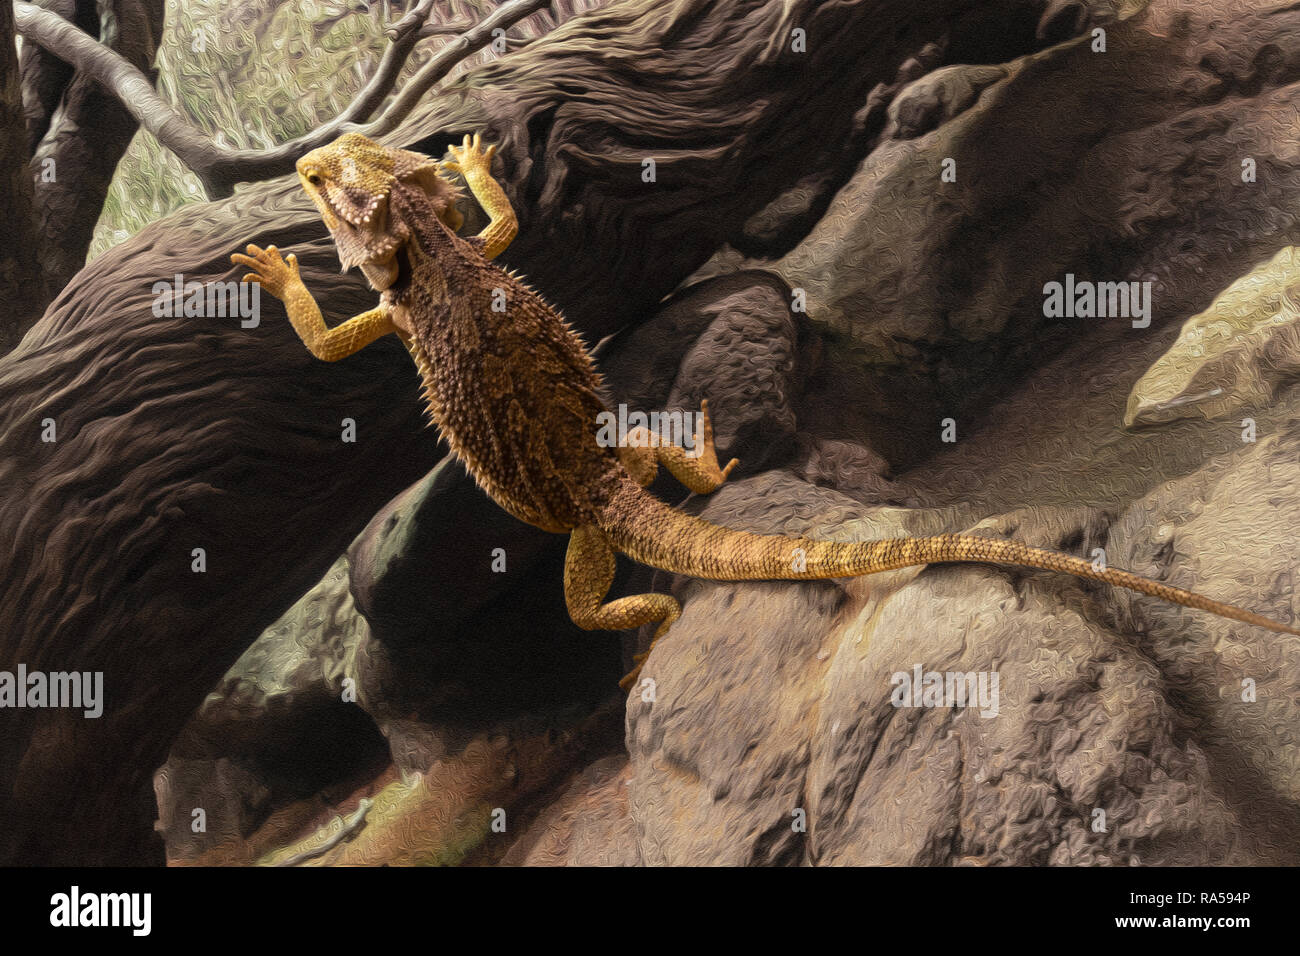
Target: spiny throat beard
(376,243)
(371,246)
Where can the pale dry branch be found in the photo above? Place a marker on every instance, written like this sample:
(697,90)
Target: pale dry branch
(220,168)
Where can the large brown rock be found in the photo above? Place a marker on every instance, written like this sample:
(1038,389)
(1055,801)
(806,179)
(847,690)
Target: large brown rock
(1123,731)
(1123,165)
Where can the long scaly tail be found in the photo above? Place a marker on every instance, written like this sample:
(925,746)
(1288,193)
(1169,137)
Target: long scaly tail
(648,531)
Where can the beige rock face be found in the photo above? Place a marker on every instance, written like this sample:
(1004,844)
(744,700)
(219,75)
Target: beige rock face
(1230,358)
(1122,730)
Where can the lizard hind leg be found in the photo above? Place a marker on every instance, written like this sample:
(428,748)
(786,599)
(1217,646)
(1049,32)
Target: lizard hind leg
(588,574)
(640,455)
(696,468)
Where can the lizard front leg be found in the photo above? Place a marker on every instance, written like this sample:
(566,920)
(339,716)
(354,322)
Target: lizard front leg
(476,167)
(588,573)
(280,277)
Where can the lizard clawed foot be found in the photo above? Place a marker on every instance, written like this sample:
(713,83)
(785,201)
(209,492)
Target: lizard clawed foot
(469,159)
(273,273)
(708,455)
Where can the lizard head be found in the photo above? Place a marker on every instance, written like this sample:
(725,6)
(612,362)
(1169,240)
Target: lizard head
(351,181)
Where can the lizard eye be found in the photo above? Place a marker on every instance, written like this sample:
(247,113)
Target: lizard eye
(314,179)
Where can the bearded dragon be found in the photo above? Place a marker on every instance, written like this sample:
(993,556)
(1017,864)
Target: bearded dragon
(516,395)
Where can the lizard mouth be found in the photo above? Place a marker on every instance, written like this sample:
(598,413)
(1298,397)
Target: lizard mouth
(368,236)
(365,240)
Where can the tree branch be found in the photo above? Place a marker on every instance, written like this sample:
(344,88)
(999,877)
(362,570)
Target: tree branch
(469,43)
(44,78)
(73,163)
(116,74)
(405,34)
(220,168)
(21,282)
(558,12)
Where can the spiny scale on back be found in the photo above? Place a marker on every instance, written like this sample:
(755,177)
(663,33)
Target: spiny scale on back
(514,391)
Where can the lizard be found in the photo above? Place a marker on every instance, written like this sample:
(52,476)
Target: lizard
(516,395)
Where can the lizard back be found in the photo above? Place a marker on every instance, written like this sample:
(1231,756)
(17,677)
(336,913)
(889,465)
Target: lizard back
(514,391)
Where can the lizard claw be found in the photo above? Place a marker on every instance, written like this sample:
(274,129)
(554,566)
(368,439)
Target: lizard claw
(708,453)
(273,273)
(470,157)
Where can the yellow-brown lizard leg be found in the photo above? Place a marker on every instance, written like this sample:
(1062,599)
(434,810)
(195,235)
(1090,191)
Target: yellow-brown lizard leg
(476,167)
(588,573)
(697,468)
(280,277)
